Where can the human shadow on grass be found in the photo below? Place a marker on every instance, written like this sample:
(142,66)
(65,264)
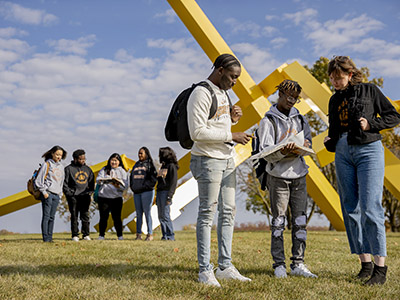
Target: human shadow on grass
(128,270)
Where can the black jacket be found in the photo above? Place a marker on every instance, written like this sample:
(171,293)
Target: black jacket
(78,181)
(143,177)
(364,100)
(169,182)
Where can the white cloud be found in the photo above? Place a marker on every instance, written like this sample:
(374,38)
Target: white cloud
(10,32)
(18,13)
(169,15)
(249,28)
(278,42)
(301,16)
(78,46)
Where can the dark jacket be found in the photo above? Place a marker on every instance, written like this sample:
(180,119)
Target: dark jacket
(78,180)
(364,100)
(169,182)
(143,177)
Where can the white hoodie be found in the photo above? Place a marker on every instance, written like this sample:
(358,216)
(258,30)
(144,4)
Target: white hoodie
(279,165)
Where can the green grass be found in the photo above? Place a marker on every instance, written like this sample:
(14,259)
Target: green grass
(128,269)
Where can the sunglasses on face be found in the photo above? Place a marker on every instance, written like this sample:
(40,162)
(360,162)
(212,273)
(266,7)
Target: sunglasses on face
(292,99)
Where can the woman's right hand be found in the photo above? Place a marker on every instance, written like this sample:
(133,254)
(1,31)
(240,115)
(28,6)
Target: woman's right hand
(46,196)
(327,138)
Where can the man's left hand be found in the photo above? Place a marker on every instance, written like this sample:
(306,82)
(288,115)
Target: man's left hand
(236,113)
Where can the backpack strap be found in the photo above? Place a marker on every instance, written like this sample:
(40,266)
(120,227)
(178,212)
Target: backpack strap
(47,171)
(271,119)
(214,104)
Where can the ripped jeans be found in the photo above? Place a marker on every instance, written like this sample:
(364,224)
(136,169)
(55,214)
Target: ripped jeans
(284,192)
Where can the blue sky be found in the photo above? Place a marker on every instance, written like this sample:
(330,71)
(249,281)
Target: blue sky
(102,75)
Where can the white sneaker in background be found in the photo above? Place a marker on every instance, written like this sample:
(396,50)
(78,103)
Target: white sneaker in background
(208,278)
(101,238)
(301,270)
(280,272)
(75,239)
(87,238)
(120,238)
(230,273)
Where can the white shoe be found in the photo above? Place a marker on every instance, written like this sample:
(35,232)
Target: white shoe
(230,273)
(301,270)
(87,238)
(75,239)
(208,278)
(280,272)
(120,238)
(101,238)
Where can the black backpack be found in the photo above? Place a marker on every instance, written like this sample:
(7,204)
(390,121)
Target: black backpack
(259,168)
(176,128)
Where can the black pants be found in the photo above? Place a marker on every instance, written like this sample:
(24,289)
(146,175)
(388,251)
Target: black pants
(79,205)
(107,205)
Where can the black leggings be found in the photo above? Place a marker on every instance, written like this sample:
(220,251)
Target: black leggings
(107,205)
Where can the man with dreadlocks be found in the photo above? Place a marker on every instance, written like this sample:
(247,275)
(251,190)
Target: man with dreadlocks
(213,167)
(286,180)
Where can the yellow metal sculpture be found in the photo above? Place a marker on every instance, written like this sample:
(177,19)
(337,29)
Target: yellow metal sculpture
(254,103)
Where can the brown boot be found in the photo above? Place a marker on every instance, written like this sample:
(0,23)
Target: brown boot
(378,276)
(149,237)
(138,237)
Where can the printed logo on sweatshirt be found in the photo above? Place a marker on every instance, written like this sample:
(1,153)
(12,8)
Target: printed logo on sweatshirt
(222,111)
(81,177)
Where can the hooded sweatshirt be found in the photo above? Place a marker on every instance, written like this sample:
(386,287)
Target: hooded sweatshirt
(108,190)
(279,165)
(53,181)
(143,176)
(79,180)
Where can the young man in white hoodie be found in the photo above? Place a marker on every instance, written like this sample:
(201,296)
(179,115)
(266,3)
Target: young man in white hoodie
(213,167)
(286,180)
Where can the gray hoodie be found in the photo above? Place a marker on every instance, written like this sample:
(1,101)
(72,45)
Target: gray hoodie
(279,165)
(108,190)
(54,179)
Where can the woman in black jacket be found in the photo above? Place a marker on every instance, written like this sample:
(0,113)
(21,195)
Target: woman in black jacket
(142,181)
(167,180)
(357,112)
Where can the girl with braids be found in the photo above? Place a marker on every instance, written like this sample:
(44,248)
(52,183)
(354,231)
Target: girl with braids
(167,181)
(113,180)
(286,178)
(357,112)
(143,178)
(49,182)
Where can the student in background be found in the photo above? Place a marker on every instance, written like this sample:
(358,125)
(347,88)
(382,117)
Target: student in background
(143,178)
(78,187)
(167,181)
(357,113)
(113,180)
(49,182)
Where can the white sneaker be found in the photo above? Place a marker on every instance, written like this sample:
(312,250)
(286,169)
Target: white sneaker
(208,278)
(280,272)
(101,238)
(87,238)
(75,239)
(230,273)
(301,270)
(120,238)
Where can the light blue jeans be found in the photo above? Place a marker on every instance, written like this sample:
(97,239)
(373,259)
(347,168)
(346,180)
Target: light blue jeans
(143,203)
(360,171)
(216,179)
(164,216)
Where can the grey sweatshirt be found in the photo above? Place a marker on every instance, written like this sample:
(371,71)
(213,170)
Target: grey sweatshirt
(279,165)
(54,180)
(108,190)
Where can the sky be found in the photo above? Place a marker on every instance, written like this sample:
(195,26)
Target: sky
(102,75)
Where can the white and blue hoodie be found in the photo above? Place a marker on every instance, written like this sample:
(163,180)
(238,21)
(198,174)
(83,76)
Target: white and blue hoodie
(279,165)
(53,181)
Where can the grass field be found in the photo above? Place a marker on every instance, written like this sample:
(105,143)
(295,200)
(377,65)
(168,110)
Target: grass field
(128,269)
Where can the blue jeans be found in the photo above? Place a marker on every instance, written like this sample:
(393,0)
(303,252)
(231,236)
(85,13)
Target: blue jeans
(49,208)
(143,204)
(360,171)
(284,193)
(164,216)
(216,179)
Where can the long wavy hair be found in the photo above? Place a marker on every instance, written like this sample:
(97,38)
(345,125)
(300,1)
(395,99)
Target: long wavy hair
(107,168)
(49,153)
(167,155)
(344,64)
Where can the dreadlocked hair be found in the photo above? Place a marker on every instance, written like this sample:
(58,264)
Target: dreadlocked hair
(289,86)
(225,60)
